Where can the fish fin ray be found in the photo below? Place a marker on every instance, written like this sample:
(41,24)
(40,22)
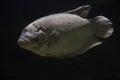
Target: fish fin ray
(81,11)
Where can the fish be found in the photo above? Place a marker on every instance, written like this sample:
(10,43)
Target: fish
(65,34)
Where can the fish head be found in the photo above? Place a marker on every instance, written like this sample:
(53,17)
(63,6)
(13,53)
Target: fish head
(32,37)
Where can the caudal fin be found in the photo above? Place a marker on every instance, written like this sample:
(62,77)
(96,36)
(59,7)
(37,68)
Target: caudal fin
(102,27)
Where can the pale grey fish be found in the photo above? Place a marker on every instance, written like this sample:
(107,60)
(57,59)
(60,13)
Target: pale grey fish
(65,34)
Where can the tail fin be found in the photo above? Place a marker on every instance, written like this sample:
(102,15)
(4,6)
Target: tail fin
(102,27)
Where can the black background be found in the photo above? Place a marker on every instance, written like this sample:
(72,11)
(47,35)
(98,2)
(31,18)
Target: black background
(99,63)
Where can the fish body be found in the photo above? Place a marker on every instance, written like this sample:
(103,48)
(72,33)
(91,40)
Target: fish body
(65,34)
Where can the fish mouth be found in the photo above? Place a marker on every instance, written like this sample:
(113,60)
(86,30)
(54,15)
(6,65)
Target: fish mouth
(24,42)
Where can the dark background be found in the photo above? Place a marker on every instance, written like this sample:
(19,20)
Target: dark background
(99,63)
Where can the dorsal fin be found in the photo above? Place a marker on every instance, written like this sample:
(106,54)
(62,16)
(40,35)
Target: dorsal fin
(81,11)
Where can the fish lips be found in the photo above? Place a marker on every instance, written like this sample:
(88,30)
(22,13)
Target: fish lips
(23,42)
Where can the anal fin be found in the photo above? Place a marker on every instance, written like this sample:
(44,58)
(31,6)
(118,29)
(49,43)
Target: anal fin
(92,42)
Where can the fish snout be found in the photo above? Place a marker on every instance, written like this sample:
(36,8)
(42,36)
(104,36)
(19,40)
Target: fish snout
(23,43)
